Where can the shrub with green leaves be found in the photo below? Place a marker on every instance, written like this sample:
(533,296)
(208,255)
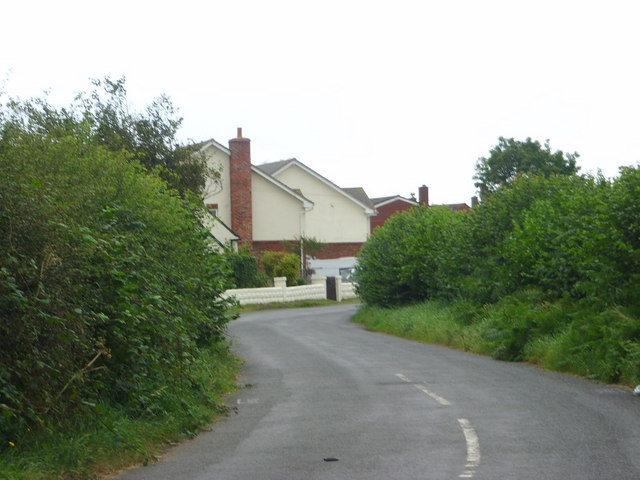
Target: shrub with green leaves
(108,289)
(491,225)
(244,269)
(623,250)
(557,243)
(417,254)
(545,269)
(281,264)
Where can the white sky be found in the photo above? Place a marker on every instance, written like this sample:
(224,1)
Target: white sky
(384,95)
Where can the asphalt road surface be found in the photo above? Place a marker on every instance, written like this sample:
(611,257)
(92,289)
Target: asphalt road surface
(329,400)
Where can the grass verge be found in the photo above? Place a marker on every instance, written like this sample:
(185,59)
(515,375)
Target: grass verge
(100,440)
(561,336)
(429,322)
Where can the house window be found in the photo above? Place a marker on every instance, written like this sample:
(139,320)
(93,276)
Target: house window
(213,209)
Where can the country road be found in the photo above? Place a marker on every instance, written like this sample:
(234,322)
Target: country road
(329,400)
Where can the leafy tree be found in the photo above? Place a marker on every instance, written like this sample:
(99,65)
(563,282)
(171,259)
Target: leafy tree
(104,116)
(150,135)
(512,158)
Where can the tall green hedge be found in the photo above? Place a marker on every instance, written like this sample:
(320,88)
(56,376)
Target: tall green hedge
(567,235)
(418,254)
(108,289)
(547,268)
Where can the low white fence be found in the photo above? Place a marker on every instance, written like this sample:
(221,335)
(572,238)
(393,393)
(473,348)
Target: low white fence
(281,293)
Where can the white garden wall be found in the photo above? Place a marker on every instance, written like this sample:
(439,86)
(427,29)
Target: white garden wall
(281,293)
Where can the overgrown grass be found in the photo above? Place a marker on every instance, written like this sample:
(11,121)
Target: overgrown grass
(560,335)
(99,440)
(430,322)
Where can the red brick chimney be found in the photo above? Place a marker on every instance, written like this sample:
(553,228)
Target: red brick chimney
(423,195)
(240,189)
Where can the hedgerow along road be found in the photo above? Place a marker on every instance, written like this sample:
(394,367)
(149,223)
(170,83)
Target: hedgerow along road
(326,399)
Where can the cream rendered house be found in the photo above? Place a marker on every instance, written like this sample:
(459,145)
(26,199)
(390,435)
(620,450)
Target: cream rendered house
(340,218)
(264,205)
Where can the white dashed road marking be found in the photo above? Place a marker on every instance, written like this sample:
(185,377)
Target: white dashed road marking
(422,388)
(473,448)
(470,436)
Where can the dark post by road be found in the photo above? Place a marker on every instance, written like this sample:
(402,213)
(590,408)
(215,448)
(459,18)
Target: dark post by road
(332,289)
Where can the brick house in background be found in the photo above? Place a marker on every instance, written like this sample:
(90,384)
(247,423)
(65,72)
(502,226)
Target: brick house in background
(387,206)
(264,205)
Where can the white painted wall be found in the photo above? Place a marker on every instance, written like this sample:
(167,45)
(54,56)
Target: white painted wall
(215,193)
(277,215)
(334,218)
(282,293)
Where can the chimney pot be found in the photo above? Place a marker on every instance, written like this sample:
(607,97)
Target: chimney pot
(239,132)
(423,195)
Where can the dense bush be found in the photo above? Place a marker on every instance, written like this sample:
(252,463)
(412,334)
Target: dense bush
(556,243)
(546,268)
(108,290)
(513,322)
(281,264)
(598,344)
(622,250)
(418,254)
(569,236)
(491,226)
(543,232)
(244,269)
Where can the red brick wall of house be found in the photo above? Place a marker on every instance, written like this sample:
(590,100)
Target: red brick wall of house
(336,250)
(240,188)
(385,211)
(268,245)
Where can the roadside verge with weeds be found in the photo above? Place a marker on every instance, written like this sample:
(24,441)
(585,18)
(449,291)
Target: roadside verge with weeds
(560,336)
(100,440)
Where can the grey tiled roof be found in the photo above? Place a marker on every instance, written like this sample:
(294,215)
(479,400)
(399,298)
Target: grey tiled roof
(457,206)
(272,167)
(360,195)
(382,199)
